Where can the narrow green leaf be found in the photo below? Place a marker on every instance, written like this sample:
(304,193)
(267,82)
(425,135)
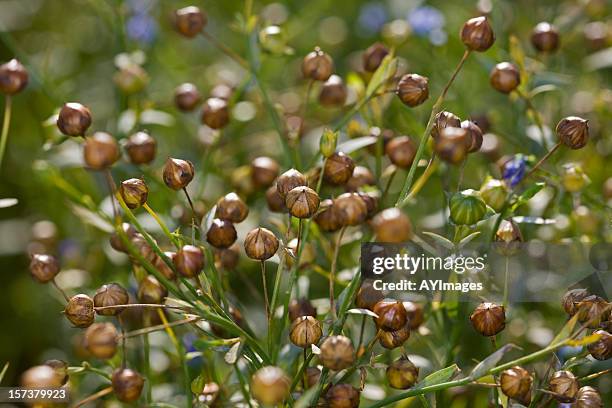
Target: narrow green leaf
(527,195)
(4,370)
(566,331)
(445,242)
(383,74)
(488,363)
(469,238)
(438,377)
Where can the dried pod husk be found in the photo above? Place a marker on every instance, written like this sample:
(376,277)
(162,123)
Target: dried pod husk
(508,238)
(338,168)
(134,192)
(101,340)
(261,244)
(516,383)
(42,376)
(342,396)
(588,397)
(477,34)
(141,148)
(80,310)
(474,135)
(391,339)
(494,192)
(190,21)
(163,267)
(564,385)
(305,331)
(392,225)
(452,145)
(74,119)
(545,37)
(367,297)
(231,208)
(13,77)
(413,89)
(602,348)
(61,370)
(391,315)
(328,218)
(264,171)
(312,376)
(333,92)
(573,132)
(373,56)
(402,374)
(571,298)
(275,202)
(362,176)
(488,319)
(288,181)
(270,385)
(415,314)
(44,267)
(151,291)
(127,384)
(593,310)
(302,202)
(178,173)
(115,240)
(443,120)
(215,113)
(100,151)
(301,307)
(317,65)
(337,353)
(401,151)
(186,97)
(221,233)
(111,294)
(505,77)
(467,208)
(352,208)
(189,261)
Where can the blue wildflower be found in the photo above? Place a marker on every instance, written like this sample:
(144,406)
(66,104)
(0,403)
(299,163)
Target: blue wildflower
(372,17)
(426,19)
(141,28)
(514,170)
(188,340)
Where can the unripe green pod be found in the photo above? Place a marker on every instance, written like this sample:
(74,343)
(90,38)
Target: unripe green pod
(467,208)
(494,192)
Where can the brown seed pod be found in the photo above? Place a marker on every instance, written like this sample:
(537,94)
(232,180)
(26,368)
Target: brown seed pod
(290,180)
(401,151)
(338,168)
(371,201)
(373,56)
(337,353)
(80,310)
(189,261)
(588,397)
(573,132)
(477,34)
(508,238)
(270,385)
(367,296)
(261,244)
(74,119)
(61,370)
(362,176)
(301,307)
(394,338)
(143,248)
(100,151)
(141,148)
(545,37)
(312,376)
(564,385)
(42,376)
(163,267)
(116,242)
(488,319)
(221,233)
(413,89)
(414,312)
(391,315)
(317,65)
(231,208)
(190,21)
(101,340)
(571,298)
(328,218)
(452,145)
(593,310)
(352,208)
(178,173)
(475,135)
(302,202)
(333,92)
(516,383)
(385,134)
(602,348)
(392,225)
(215,113)
(151,291)
(127,384)
(275,202)
(264,171)
(443,120)
(505,77)
(44,267)
(111,294)
(402,374)
(186,97)
(342,396)
(305,331)
(134,192)
(13,77)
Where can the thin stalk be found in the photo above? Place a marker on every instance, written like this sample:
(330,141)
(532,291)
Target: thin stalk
(299,236)
(432,165)
(140,305)
(111,187)
(8,104)
(506,276)
(421,149)
(307,98)
(265,290)
(300,372)
(305,376)
(226,50)
(361,331)
(595,375)
(94,397)
(60,290)
(161,224)
(193,216)
(542,160)
(151,329)
(387,186)
(537,118)
(147,359)
(332,273)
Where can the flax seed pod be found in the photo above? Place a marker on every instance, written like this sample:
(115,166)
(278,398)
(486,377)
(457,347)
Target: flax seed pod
(264,171)
(74,119)
(270,385)
(190,21)
(391,315)
(545,37)
(260,244)
(101,340)
(302,202)
(373,56)
(392,225)
(488,319)
(342,396)
(221,233)
(230,207)
(288,181)
(317,65)
(338,168)
(80,310)
(477,34)
(100,151)
(127,384)
(111,294)
(402,374)
(337,353)
(44,267)
(401,151)
(413,89)
(305,331)
(516,383)
(394,338)
(564,385)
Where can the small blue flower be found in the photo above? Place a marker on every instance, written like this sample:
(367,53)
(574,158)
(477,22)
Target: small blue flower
(142,28)
(372,17)
(426,19)
(514,170)
(188,340)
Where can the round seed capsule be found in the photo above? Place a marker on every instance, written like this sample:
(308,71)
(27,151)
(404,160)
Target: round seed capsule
(186,97)
(402,374)
(488,319)
(44,267)
(231,208)
(80,310)
(141,148)
(260,244)
(413,89)
(190,21)
(221,234)
(477,34)
(305,330)
(127,384)
(74,119)
(516,383)
(270,385)
(111,294)
(100,151)
(101,340)
(337,353)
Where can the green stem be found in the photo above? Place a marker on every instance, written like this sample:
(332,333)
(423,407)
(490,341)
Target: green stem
(8,103)
(332,273)
(146,358)
(161,224)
